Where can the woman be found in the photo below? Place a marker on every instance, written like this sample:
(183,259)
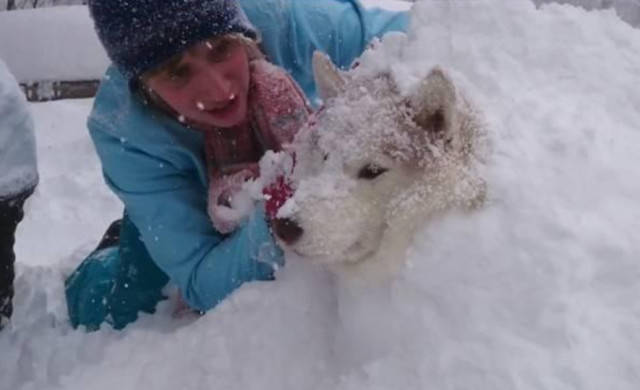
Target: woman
(182,80)
(18,178)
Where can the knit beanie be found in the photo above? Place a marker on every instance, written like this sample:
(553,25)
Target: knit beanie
(139,35)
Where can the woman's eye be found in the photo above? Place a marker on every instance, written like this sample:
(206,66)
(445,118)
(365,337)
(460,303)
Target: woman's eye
(371,171)
(178,74)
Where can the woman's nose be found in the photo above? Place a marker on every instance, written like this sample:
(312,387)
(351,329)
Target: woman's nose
(214,88)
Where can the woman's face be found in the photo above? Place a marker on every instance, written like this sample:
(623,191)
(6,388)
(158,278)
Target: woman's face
(208,84)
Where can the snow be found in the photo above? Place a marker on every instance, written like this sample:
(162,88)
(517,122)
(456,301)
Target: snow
(56,43)
(538,290)
(628,10)
(71,199)
(17,143)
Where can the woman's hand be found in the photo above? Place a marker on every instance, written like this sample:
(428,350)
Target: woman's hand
(228,208)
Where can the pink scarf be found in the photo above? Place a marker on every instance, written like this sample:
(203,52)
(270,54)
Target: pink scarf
(277,109)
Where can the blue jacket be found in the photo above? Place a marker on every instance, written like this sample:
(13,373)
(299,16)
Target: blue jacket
(157,168)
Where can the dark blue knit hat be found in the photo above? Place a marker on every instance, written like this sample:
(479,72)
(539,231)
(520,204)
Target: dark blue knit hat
(139,35)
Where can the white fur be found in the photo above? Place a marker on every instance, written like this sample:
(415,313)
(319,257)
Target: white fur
(426,143)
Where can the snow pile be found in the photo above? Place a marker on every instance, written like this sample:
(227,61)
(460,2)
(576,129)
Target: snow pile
(56,43)
(17,144)
(535,291)
(71,207)
(628,10)
(538,290)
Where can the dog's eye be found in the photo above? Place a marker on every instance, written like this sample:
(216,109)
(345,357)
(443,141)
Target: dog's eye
(370,171)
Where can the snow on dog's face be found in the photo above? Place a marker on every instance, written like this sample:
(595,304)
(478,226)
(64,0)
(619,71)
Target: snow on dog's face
(373,164)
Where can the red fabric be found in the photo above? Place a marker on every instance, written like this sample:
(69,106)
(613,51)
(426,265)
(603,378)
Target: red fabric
(277,110)
(275,195)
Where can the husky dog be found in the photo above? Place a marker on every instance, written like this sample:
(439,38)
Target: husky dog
(372,166)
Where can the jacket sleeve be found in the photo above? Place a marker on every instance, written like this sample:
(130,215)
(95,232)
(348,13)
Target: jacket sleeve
(293,29)
(168,206)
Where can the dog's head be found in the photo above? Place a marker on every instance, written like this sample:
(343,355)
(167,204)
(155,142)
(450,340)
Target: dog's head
(372,162)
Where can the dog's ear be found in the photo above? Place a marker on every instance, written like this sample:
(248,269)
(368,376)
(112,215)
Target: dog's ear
(434,105)
(329,81)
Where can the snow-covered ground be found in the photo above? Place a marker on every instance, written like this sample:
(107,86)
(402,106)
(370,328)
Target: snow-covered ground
(628,10)
(538,290)
(72,206)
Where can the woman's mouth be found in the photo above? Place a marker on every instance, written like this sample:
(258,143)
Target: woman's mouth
(224,109)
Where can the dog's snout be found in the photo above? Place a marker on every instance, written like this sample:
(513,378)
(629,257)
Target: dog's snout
(287,230)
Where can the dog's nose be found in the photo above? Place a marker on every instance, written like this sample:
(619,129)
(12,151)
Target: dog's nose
(287,230)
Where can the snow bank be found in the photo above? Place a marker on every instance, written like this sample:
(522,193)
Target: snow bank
(72,206)
(57,43)
(628,10)
(538,290)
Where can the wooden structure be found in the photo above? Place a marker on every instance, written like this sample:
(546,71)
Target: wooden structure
(40,91)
